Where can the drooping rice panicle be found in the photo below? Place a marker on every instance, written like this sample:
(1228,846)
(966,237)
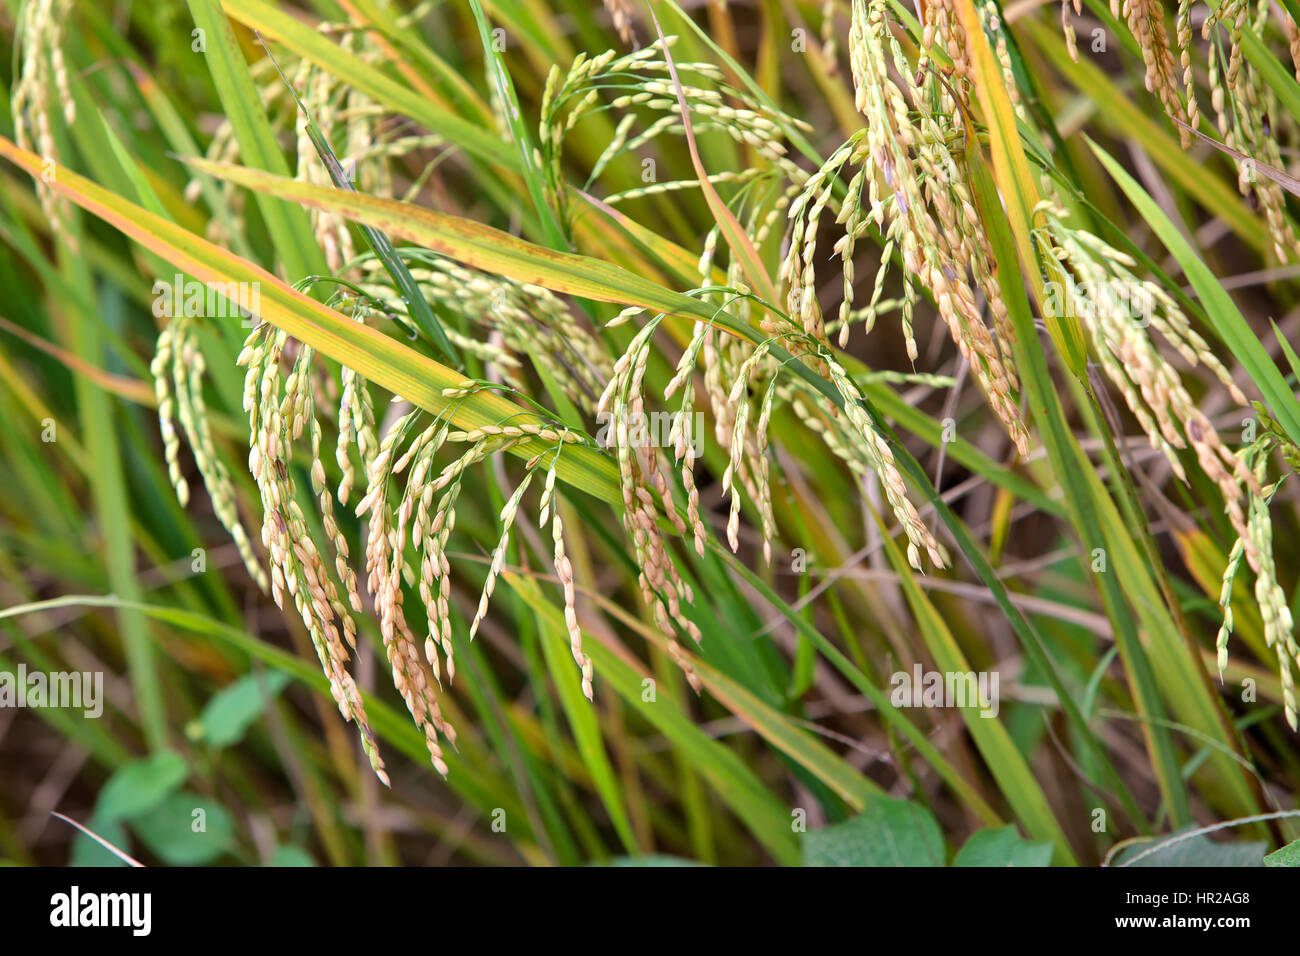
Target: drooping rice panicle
(296,565)
(178,368)
(385,564)
(507,518)
(43,77)
(1115,313)
(564,572)
(908,150)
(1146,21)
(1271,599)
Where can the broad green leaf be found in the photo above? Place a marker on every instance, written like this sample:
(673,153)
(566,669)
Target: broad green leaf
(1198,850)
(888,832)
(232,710)
(140,786)
(1289,855)
(286,854)
(186,829)
(87,851)
(1002,847)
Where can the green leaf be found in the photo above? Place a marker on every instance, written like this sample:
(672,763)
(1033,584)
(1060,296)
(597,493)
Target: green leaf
(186,829)
(586,728)
(466,779)
(1289,855)
(474,244)
(1091,511)
(505,89)
(140,786)
(88,852)
(1279,80)
(848,783)
(731,778)
(1127,117)
(914,735)
(417,307)
(1002,847)
(1016,184)
(888,832)
(308,43)
(742,248)
(289,225)
(286,854)
(235,708)
(1006,763)
(373,355)
(1292,359)
(1199,850)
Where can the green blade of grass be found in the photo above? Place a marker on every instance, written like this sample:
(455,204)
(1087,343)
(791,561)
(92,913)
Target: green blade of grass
(505,88)
(775,727)
(289,225)
(476,245)
(279,26)
(888,712)
(586,730)
(1008,767)
(737,239)
(1069,465)
(394,726)
(1016,185)
(371,354)
(735,783)
(416,305)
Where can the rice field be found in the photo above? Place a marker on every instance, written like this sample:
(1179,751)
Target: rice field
(542,432)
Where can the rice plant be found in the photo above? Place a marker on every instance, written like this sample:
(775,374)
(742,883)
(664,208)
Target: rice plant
(742,433)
